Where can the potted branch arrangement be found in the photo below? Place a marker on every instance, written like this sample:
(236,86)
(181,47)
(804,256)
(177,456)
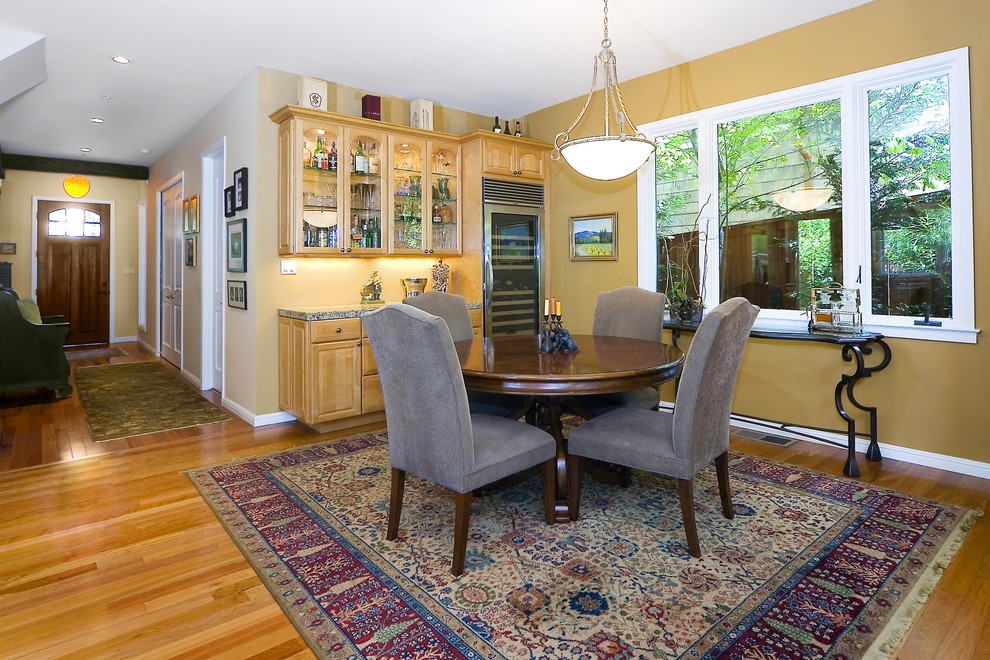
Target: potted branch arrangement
(683,272)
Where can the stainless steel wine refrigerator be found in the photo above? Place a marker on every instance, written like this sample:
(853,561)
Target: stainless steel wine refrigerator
(512,256)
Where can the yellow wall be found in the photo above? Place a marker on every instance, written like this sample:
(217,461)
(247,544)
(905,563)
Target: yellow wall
(930,398)
(16,206)
(251,140)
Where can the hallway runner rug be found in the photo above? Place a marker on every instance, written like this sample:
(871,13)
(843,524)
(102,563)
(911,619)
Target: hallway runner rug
(134,398)
(812,565)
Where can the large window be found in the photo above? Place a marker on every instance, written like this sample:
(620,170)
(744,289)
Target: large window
(863,180)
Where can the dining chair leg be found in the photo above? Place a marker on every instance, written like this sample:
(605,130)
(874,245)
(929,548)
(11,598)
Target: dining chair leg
(395,503)
(722,471)
(548,474)
(574,485)
(462,515)
(685,488)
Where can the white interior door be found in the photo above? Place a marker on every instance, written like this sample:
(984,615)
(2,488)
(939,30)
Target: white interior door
(171,305)
(220,239)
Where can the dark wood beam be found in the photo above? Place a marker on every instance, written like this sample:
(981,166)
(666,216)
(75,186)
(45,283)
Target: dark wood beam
(66,166)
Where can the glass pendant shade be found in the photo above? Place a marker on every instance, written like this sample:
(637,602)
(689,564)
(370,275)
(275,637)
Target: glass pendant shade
(606,157)
(76,186)
(802,199)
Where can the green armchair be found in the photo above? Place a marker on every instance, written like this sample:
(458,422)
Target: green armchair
(32,353)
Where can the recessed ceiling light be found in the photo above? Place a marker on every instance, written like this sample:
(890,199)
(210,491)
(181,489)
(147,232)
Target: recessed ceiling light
(145,150)
(85,150)
(120,59)
(105,97)
(320,131)
(97,120)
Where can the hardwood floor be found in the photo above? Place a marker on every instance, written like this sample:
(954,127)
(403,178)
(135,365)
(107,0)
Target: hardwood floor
(107,550)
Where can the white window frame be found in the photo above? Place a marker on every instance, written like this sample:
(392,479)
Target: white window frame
(852,92)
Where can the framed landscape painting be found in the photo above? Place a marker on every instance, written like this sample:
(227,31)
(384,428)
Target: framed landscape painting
(593,237)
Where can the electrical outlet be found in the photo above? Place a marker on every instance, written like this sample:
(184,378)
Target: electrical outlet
(288,266)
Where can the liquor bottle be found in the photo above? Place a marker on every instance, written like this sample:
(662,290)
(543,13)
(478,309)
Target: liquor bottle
(497,128)
(317,153)
(360,160)
(436,213)
(518,132)
(373,162)
(307,155)
(506,131)
(332,160)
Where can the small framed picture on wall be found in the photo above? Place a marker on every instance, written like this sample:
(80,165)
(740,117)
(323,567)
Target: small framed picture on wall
(241,189)
(237,294)
(237,246)
(228,202)
(191,248)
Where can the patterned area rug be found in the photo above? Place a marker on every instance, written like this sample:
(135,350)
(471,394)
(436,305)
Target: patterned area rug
(123,400)
(812,565)
(90,353)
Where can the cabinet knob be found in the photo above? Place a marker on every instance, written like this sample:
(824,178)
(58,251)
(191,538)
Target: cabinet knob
(359,342)
(340,329)
(343,250)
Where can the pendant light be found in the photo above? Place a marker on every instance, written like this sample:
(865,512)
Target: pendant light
(807,198)
(608,156)
(76,186)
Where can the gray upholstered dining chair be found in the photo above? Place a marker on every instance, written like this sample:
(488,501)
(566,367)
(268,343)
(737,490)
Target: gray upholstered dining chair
(432,433)
(633,312)
(681,443)
(454,310)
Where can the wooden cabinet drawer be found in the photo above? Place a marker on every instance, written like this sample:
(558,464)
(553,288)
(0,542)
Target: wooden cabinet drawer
(335,330)
(372,399)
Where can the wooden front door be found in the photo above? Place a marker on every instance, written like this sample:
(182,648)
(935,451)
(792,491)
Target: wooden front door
(74,267)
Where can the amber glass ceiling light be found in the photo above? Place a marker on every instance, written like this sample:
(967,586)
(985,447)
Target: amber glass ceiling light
(76,186)
(607,156)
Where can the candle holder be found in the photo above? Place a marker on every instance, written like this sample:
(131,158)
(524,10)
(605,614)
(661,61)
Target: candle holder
(554,338)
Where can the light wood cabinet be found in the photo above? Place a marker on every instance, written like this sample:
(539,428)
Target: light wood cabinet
(379,195)
(328,377)
(320,372)
(508,156)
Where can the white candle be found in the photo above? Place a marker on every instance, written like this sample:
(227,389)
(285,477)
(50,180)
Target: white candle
(546,307)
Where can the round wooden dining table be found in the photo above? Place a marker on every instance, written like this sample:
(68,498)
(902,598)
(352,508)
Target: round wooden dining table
(513,364)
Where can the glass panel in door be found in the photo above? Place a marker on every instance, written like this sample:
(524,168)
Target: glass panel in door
(320,187)
(514,277)
(407,199)
(365,188)
(444,208)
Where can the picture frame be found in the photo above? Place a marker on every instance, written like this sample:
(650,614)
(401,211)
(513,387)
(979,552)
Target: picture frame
(241,189)
(228,202)
(513,243)
(237,294)
(191,251)
(8,248)
(593,237)
(190,215)
(237,246)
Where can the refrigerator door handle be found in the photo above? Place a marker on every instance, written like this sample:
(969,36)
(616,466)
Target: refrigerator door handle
(489,281)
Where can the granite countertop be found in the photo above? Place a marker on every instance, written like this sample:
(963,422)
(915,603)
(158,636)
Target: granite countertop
(346,311)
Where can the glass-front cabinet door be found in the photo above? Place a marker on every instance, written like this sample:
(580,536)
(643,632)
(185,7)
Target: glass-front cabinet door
(365,161)
(444,236)
(407,156)
(320,189)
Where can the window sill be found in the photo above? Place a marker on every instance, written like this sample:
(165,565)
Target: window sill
(924,333)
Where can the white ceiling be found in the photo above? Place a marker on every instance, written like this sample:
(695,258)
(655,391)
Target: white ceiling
(509,57)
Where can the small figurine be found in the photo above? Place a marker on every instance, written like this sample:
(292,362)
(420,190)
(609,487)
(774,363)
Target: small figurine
(563,342)
(372,289)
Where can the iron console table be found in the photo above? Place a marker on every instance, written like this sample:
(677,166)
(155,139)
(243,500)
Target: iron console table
(854,349)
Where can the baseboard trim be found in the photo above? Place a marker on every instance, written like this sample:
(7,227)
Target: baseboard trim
(894,452)
(188,377)
(268,419)
(151,349)
(121,340)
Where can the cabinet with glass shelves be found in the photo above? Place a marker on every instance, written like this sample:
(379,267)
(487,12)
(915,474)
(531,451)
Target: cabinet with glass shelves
(425,212)
(355,187)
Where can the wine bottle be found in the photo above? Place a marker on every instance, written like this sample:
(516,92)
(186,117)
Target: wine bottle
(497,128)
(317,159)
(332,159)
(506,131)
(360,160)
(436,213)
(518,132)
(308,155)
